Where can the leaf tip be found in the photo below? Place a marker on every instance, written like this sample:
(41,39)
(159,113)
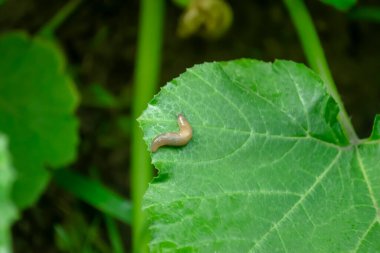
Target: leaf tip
(375,135)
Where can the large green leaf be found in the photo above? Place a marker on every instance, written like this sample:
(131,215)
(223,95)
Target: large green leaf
(268,168)
(341,4)
(8,211)
(37,102)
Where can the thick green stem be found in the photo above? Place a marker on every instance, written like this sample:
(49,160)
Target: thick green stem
(315,56)
(146,82)
(49,28)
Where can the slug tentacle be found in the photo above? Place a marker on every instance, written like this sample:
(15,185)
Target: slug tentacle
(174,139)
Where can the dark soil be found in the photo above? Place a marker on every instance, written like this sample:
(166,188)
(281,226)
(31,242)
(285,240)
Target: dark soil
(99,40)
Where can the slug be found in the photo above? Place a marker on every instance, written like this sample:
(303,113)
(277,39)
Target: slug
(174,139)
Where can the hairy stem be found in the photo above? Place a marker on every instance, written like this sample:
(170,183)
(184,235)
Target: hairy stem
(146,82)
(315,56)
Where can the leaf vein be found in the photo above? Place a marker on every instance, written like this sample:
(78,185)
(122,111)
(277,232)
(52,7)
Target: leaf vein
(368,183)
(258,243)
(222,96)
(362,238)
(296,86)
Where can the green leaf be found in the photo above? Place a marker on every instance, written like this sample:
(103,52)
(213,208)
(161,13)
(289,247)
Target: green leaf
(268,168)
(76,234)
(97,96)
(95,194)
(370,13)
(342,5)
(114,235)
(376,129)
(8,213)
(180,3)
(37,104)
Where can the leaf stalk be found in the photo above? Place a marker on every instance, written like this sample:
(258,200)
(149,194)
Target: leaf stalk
(316,58)
(51,26)
(146,81)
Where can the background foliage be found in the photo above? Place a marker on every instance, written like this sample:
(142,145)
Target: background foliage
(100,40)
(37,105)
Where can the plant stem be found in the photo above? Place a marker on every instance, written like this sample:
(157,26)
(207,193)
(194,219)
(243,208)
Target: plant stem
(315,56)
(49,28)
(146,81)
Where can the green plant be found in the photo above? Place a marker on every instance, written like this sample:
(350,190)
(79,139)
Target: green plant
(269,168)
(274,164)
(340,4)
(77,235)
(95,194)
(33,111)
(38,100)
(8,210)
(366,13)
(146,80)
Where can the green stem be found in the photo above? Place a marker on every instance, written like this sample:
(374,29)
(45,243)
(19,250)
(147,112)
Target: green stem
(49,28)
(315,56)
(146,82)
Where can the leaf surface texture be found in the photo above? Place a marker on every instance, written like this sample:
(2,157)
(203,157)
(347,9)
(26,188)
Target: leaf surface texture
(268,169)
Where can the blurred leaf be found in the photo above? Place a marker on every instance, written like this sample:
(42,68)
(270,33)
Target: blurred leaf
(37,104)
(125,124)
(182,3)
(47,31)
(100,36)
(208,18)
(366,13)
(340,4)
(114,235)
(62,238)
(76,235)
(268,168)
(95,194)
(8,212)
(97,96)
(376,129)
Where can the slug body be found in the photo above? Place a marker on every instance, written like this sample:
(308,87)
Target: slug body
(174,139)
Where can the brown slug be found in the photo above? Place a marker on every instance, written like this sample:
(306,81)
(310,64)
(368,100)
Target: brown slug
(174,139)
